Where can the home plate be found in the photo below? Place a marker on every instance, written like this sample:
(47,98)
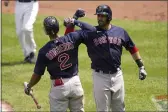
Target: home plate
(161,102)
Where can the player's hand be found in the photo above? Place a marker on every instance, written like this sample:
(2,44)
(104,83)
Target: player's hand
(27,89)
(79,13)
(142,73)
(68,22)
(6,3)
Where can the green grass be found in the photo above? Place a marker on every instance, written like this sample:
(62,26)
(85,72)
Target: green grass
(150,38)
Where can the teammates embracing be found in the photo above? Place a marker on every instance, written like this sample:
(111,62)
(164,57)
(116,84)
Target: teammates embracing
(104,44)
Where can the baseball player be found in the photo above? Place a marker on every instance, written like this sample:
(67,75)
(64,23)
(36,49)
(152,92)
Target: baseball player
(104,48)
(60,56)
(25,16)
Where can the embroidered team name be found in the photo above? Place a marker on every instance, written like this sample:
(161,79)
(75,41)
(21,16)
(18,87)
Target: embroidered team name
(103,39)
(59,49)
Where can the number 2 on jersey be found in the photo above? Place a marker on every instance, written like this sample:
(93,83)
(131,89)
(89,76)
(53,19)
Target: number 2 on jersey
(63,58)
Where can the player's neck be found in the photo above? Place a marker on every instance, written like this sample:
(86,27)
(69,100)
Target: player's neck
(52,37)
(107,27)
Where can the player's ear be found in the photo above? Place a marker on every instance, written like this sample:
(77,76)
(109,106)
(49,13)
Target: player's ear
(45,31)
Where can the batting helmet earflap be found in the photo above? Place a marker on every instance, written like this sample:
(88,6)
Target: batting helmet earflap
(51,25)
(105,10)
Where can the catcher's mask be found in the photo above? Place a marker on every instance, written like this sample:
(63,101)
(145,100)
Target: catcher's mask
(51,25)
(104,10)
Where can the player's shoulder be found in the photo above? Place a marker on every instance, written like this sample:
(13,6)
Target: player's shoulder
(114,27)
(119,29)
(46,47)
(63,39)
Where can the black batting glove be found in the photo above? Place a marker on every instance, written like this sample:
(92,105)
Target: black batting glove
(79,13)
(27,89)
(142,73)
(68,22)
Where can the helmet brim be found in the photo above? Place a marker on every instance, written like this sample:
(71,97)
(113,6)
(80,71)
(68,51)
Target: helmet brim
(102,13)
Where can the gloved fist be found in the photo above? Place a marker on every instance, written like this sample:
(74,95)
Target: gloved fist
(68,22)
(142,73)
(79,13)
(27,89)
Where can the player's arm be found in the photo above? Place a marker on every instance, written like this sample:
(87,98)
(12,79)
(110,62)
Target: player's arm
(70,28)
(136,56)
(82,25)
(71,22)
(38,72)
(34,80)
(78,14)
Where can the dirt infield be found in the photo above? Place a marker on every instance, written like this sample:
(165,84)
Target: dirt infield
(133,10)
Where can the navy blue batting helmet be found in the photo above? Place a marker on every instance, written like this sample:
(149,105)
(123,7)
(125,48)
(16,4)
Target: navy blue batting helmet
(51,25)
(104,10)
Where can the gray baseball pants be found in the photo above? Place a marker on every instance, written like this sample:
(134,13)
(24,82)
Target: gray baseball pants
(69,95)
(109,91)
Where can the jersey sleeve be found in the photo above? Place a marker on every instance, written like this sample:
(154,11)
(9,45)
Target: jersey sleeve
(78,36)
(84,26)
(40,64)
(69,29)
(128,43)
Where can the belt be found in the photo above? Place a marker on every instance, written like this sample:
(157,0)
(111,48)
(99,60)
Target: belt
(26,0)
(62,77)
(107,72)
(58,82)
(58,79)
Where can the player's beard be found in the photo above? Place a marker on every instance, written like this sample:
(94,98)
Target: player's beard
(102,24)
